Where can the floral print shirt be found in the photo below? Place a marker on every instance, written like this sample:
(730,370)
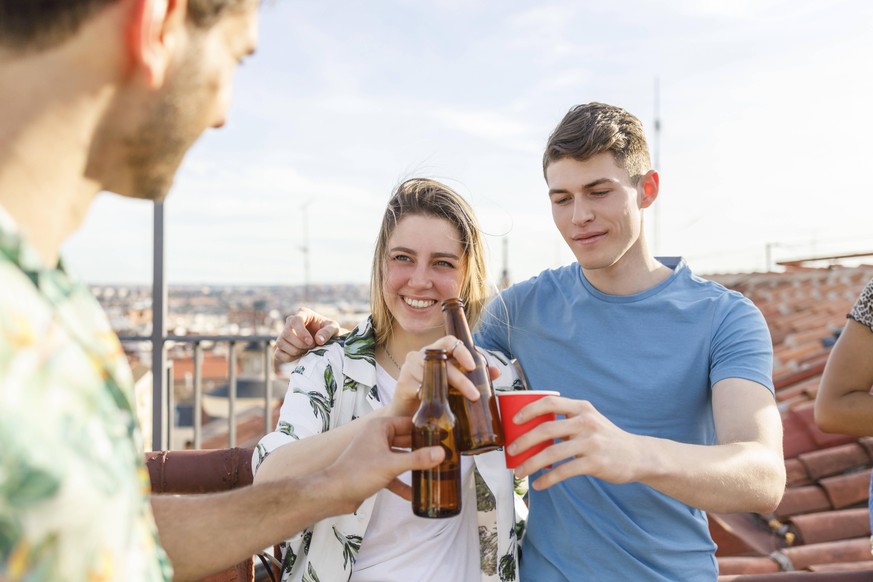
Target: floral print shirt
(335,384)
(73,483)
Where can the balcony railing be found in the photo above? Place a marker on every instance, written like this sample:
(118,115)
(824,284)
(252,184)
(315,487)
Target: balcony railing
(163,394)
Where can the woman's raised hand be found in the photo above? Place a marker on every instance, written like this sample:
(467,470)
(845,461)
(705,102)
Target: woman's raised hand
(406,396)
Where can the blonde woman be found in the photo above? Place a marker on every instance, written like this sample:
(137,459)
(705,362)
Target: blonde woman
(428,249)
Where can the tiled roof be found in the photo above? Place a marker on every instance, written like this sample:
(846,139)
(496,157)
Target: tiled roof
(213,366)
(821,529)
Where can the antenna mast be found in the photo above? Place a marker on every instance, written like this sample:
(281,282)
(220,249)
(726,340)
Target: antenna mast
(305,249)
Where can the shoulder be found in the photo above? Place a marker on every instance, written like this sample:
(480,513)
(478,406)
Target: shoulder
(539,287)
(862,312)
(360,343)
(547,278)
(699,287)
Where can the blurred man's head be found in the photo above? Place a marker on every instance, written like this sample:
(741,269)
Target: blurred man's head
(167,65)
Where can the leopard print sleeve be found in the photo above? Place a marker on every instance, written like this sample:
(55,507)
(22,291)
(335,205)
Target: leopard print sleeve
(863,310)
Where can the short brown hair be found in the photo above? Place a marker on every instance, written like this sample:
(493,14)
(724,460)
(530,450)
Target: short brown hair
(41,24)
(594,128)
(424,197)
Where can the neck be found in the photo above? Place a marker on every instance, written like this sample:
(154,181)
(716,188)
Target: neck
(636,271)
(51,112)
(401,343)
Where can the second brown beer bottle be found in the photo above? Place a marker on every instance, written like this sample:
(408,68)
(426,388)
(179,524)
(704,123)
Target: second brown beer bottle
(436,492)
(479,428)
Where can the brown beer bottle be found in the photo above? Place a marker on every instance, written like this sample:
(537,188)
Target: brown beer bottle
(479,428)
(436,492)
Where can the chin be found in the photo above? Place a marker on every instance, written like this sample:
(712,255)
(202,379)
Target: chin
(154,185)
(594,263)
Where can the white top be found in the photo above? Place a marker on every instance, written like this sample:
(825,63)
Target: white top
(400,546)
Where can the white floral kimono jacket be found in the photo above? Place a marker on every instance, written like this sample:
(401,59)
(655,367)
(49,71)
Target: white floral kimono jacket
(335,384)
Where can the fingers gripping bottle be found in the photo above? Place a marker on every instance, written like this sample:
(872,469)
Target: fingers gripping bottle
(436,492)
(479,428)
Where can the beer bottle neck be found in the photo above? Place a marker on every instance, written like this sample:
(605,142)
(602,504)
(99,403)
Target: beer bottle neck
(434,384)
(456,324)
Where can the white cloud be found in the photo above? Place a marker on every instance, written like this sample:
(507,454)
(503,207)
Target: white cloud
(764,104)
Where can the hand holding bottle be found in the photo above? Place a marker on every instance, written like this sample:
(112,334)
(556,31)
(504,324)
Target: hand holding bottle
(406,397)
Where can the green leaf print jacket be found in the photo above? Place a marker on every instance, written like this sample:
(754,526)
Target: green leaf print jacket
(74,491)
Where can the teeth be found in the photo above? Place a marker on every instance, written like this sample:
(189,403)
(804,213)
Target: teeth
(418,303)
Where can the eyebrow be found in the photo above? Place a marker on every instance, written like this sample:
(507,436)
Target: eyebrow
(435,255)
(588,186)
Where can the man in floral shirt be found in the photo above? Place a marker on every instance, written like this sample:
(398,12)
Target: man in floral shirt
(108,95)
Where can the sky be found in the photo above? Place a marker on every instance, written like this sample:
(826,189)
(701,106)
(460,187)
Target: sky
(764,150)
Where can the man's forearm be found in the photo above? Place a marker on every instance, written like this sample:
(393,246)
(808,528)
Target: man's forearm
(718,478)
(204,534)
(311,454)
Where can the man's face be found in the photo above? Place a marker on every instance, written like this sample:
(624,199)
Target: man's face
(596,208)
(194,97)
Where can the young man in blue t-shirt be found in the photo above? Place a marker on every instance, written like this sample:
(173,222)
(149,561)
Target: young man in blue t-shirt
(667,406)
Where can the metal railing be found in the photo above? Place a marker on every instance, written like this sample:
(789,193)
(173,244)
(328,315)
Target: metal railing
(163,393)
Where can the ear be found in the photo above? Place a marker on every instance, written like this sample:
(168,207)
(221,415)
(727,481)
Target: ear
(154,36)
(648,188)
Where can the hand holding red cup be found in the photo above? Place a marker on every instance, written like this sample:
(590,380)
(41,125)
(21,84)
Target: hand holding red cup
(510,403)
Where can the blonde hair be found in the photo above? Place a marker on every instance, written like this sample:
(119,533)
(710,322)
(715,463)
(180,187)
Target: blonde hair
(425,197)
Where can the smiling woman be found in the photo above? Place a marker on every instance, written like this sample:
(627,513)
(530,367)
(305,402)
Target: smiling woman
(428,250)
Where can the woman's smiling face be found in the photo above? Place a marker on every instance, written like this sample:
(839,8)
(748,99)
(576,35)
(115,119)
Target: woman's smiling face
(425,265)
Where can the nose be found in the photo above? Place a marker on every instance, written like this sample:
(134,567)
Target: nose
(420,277)
(582,212)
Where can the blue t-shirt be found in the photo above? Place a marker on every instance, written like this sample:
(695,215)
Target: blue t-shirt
(648,363)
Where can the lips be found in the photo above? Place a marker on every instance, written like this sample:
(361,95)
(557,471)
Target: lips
(419,303)
(589,238)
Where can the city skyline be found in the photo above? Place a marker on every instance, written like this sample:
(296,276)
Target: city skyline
(763,108)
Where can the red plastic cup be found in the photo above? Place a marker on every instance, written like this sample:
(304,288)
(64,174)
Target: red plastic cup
(510,403)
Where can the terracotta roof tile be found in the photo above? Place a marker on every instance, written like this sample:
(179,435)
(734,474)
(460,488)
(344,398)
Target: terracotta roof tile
(847,490)
(795,436)
(854,550)
(867,443)
(834,460)
(813,528)
(806,388)
(865,566)
(822,439)
(807,499)
(743,534)
(746,565)
(833,576)
(796,473)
